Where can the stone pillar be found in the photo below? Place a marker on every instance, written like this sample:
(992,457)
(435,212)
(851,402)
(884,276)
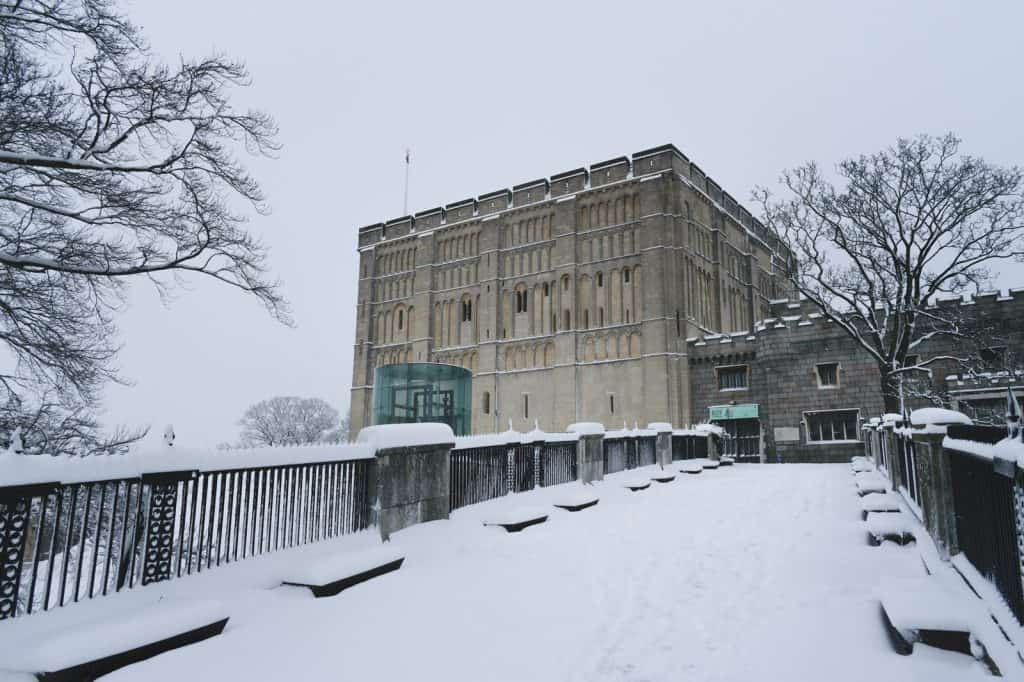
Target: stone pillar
(712,447)
(590,458)
(663,448)
(412,486)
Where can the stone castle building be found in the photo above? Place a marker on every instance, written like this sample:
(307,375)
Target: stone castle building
(633,291)
(569,298)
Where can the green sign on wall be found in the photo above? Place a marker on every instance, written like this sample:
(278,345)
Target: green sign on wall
(747,411)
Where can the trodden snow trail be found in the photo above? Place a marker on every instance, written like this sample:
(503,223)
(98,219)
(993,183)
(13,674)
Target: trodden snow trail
(747,572)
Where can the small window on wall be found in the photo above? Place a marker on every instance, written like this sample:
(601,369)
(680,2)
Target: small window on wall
(732,378)
(487,402)
(625,275)
(401,319)
(546,290)
(526,406)
(611,402)
(600,280)
(828,375)
(834,425)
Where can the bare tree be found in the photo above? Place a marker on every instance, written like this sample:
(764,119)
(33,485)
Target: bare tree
(288,420)
(112,168)
(906,225)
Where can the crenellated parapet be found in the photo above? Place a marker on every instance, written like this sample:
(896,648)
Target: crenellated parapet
(649,162)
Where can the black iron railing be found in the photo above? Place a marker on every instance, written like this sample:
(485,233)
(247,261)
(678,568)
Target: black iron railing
(615,455)
(986,502)
(478,474)
(646,448)
(62,543)
(557,463)
(689,447)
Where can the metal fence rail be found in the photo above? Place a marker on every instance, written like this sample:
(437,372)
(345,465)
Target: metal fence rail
(646,451)
(689,447)
(63,543)
(615,457)
(478,474)
(986,508)
(557,463)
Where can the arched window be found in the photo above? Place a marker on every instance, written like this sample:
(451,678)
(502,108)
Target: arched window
(467,311)
(401,319)
(545,289)
(568,320)
(565,282)
(600,280)
(487,402)
(625,275)
(522,296)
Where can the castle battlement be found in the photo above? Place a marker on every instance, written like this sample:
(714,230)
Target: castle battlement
(648,162)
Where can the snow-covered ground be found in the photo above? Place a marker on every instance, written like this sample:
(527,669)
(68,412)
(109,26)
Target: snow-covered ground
(751,572)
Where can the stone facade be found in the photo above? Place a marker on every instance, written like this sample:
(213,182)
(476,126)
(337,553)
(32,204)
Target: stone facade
(569,298)
(621,293)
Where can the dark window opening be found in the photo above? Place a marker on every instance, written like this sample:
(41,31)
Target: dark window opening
(828,374)
(625,275)
(731,378)
(832,426)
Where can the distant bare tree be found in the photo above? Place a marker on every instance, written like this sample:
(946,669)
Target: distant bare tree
(112,168)
(288,420)
(907,224)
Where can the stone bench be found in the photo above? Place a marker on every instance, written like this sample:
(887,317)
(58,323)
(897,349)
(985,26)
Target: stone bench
(878,503)
(89,649)
(883,526)
(516,520)
(726,461)
(576,501)
(636,484)
(691,467)
(920,611)
(329,575)
(663,477)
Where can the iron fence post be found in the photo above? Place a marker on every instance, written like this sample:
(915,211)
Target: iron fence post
(15,509)
(159,520)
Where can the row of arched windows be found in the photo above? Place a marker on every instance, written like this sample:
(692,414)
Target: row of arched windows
(458,246)
(393,357)
(462,275)
(526,261)
(395,325)
(611,346)
(608,245)
(467,360)
(609,212)
(455,321)
(398,287)
(396,260)
(530,356)
(529,230)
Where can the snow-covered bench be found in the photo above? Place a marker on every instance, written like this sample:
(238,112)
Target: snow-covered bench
(870,482)
(328,575)
(516,520)
(87,649)
(663,476)
(636,483)
(862,465)
(575,501)
(921,611)
(711,464)
(887,526)
(880,503)
(726,461)
(692,466)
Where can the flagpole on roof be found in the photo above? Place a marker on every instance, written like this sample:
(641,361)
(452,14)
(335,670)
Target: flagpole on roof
(405,200)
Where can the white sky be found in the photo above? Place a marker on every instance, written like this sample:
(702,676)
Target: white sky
(489,98)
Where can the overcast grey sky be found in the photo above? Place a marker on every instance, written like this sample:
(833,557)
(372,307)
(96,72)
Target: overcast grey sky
(487,98)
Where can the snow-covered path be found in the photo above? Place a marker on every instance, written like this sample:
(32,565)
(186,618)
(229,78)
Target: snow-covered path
(750,572)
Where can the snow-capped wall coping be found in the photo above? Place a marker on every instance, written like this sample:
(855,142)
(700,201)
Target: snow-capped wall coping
(705,429)
(26,469)
(890,418)
(660,427)
(384,436)
(938,416)
(973,447)
(487,440)
(586,428)
(1010,449)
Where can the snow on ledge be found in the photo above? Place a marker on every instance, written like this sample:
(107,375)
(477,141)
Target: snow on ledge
(660,427)
(937,416)
(26,469)
(384,436)
(586,428)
